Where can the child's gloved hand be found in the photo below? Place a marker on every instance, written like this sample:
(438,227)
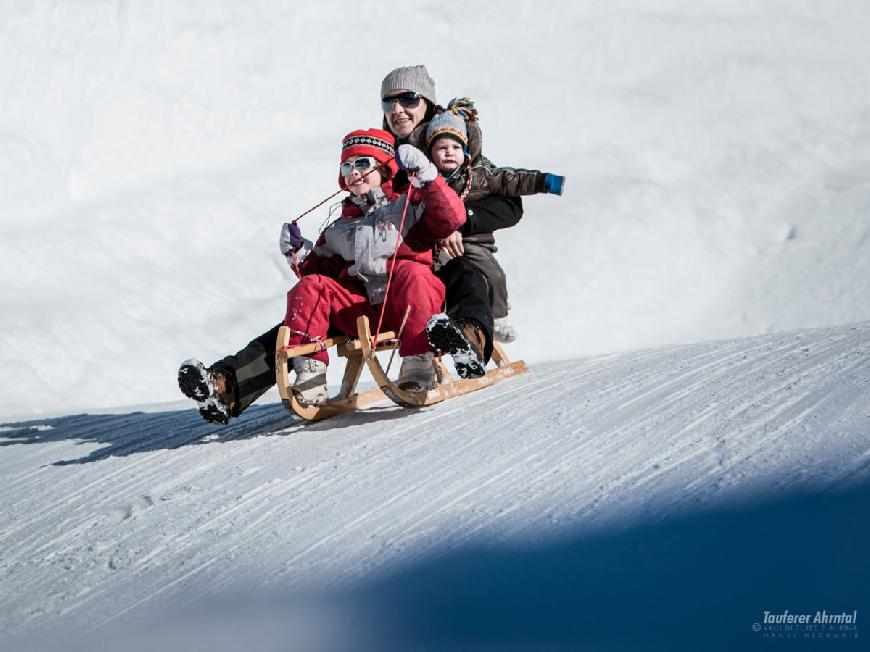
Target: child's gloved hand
(413,160)
(553,183)
(291,238)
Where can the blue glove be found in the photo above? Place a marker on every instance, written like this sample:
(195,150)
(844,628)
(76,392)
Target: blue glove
(291,238)
(413,160)
(553,183)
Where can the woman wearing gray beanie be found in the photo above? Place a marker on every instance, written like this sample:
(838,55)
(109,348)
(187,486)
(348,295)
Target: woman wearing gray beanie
(408,99)
(409,103)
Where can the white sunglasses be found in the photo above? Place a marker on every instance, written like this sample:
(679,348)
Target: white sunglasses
(362,164)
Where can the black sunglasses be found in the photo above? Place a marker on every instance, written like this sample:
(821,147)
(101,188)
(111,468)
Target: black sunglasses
(408,100)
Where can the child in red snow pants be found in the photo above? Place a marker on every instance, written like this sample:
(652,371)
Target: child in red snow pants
(319,302)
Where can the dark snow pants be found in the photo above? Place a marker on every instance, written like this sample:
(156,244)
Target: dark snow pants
(252,370)
(467,296)
(483,256)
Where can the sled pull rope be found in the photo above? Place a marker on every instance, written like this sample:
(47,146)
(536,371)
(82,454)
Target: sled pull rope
(393,263)
(398,338)
(318,205)
(296,263)
(339,191)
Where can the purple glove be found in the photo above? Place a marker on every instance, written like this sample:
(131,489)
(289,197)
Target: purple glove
(291,238)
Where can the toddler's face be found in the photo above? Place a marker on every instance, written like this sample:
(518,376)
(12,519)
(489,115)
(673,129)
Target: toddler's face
(447,154)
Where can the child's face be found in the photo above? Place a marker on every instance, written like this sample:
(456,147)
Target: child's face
(360,180)
(447,154)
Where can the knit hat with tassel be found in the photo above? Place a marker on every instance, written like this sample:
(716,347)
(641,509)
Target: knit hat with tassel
(451,122)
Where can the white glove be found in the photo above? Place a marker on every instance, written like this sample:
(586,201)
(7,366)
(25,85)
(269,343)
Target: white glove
(413,160)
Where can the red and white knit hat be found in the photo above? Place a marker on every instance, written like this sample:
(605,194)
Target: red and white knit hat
(376,143)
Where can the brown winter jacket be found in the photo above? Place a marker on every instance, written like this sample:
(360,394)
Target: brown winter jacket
(497,210)
(486,178)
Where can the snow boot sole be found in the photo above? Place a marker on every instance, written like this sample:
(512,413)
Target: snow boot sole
(193,380)
(214,412)
(447,337)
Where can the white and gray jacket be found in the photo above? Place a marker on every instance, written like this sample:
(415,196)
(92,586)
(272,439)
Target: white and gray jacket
(369,241)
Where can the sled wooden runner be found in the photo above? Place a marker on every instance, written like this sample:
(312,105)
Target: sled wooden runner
(347,398)
(360,353)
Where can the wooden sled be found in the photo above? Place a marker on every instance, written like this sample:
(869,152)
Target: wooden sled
(360,352)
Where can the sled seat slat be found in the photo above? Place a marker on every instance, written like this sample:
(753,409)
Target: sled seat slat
(344,345)
(386,342)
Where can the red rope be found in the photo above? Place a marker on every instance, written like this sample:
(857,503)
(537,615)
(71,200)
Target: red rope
(393,264)
(296,265)
(339,191)
(316,206)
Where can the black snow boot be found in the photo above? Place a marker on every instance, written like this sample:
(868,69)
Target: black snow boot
(464,341)
(208,388)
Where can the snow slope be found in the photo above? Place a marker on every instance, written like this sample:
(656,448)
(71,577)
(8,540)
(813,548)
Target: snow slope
(632,491)
(716,155)
(686,458)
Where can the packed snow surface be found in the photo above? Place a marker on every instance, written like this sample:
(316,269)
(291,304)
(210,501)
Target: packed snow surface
(690,446)
(109,517)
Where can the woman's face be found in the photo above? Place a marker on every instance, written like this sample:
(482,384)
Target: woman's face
(403,114)
(360,180)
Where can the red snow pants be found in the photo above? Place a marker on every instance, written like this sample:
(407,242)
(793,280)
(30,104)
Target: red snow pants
(318,302)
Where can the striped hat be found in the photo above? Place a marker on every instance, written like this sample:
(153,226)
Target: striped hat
(452,122)
(377,143)
(448,124)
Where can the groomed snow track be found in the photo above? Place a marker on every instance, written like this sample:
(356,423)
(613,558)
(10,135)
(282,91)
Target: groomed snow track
(107,517)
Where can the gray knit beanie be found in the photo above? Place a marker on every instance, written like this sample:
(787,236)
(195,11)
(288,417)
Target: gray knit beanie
(410,78)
